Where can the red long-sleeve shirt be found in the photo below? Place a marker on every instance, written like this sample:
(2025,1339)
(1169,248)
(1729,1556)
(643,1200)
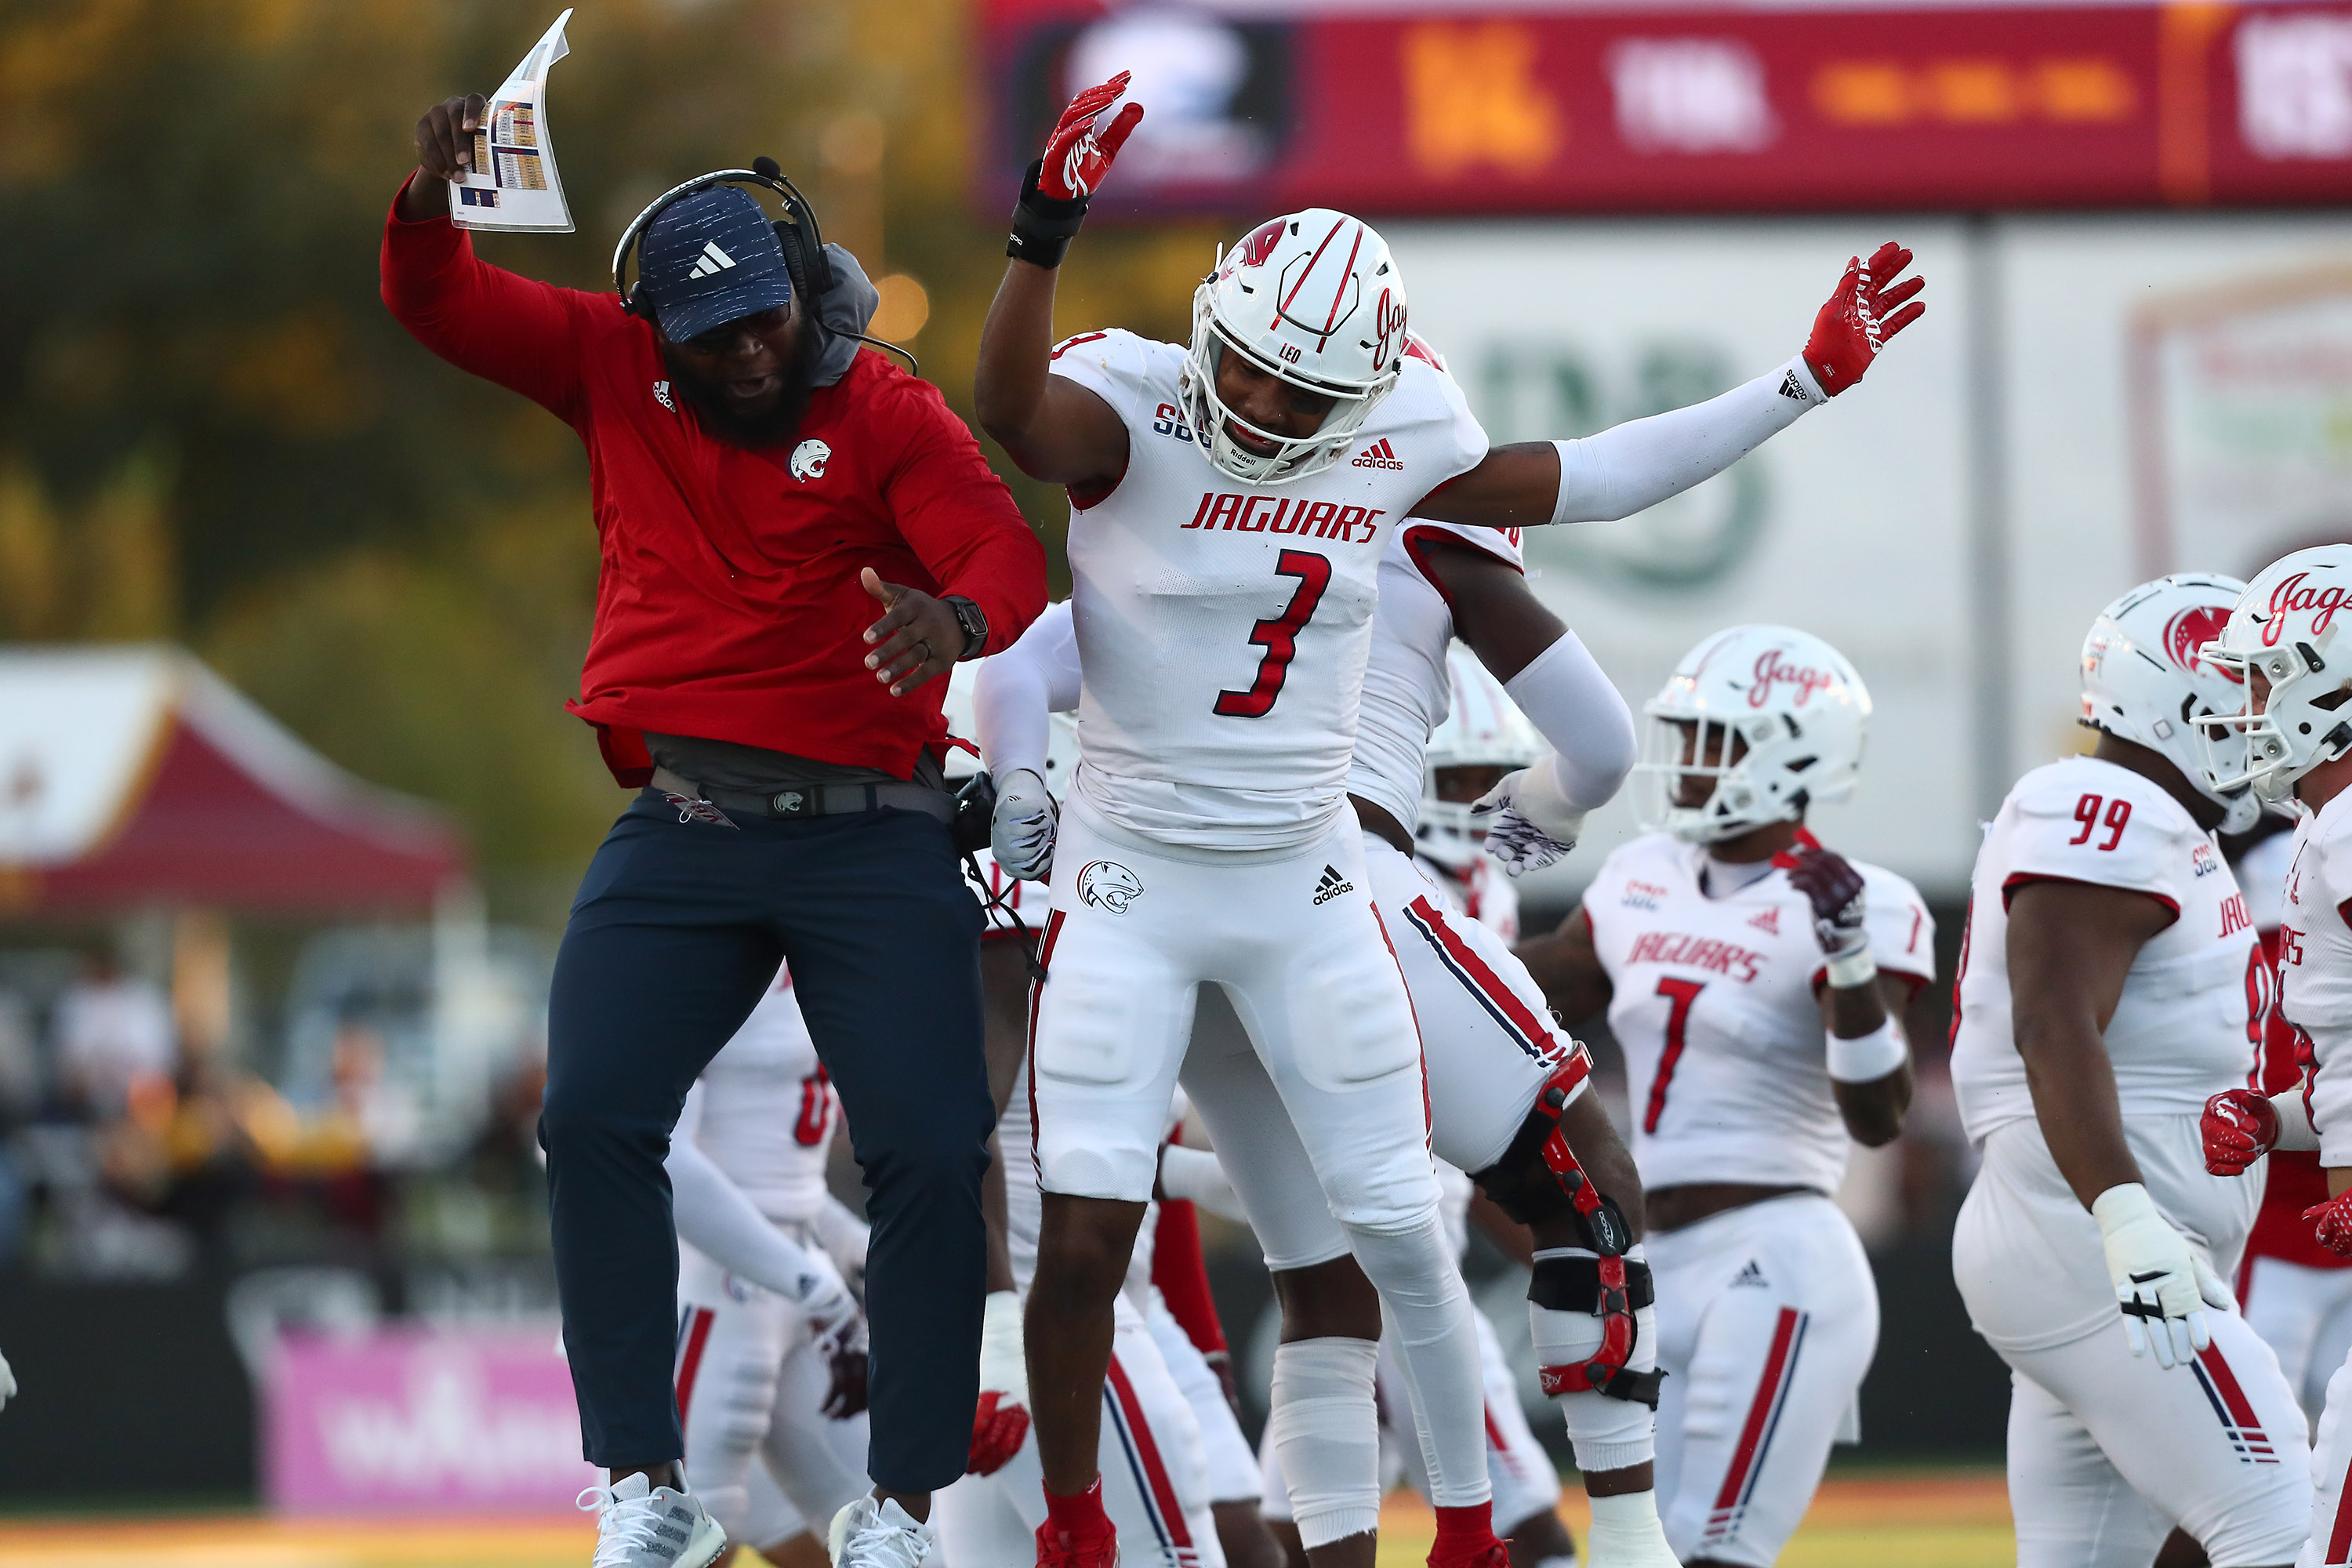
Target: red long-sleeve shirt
(727,606)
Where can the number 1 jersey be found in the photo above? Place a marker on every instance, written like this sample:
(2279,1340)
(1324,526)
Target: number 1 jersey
(1223,626)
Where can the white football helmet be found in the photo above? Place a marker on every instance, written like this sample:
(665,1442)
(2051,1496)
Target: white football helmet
(2284,629)
(1789,698)
(1482,728)
(963,724)
(1314,299)
(2143,679)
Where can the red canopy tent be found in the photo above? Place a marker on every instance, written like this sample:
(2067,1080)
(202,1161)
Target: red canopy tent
(134,777)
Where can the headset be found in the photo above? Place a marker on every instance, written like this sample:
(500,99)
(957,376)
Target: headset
(805,261)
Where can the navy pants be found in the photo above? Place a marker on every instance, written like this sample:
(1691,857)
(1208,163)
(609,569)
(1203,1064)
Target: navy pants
(677,932)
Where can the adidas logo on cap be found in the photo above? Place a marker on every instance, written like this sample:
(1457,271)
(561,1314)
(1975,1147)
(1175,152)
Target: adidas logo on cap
(1379,454)
(713,259)
(1330,884)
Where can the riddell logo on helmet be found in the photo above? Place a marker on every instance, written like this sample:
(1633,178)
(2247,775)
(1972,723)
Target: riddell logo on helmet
(1380,454)
(2190,631)
(2289,599)
(1773,667)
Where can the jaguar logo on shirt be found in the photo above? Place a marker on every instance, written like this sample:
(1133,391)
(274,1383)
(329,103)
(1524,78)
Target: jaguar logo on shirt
(808,459)
(1260,513)
(1107,885)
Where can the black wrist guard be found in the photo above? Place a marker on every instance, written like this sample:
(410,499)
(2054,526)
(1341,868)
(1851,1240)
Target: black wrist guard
(1042,226)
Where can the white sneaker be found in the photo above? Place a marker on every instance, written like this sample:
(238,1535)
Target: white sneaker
(870,1533)
(640,1525)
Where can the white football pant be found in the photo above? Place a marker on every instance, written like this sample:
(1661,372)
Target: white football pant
(1231,1468)
(1292,946)
(751,1392)
(2305,1314)
(1768,1318)
(1154,1478)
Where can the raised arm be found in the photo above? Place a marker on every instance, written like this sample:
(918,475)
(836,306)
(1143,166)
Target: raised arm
(1053,428)
(1638,464)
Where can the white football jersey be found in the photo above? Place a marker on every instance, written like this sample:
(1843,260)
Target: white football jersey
(1714,1002)
(2314,956)
(2190,1022)
(2262,877)
(769,1111)
(1407,693)
(1224,627)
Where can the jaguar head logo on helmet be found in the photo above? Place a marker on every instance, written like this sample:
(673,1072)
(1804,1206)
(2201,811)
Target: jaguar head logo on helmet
(1312,301)
(2294,710)
(2145,679)
(1755,725)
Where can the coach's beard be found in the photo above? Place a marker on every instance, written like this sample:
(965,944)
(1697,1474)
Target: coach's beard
(774,428)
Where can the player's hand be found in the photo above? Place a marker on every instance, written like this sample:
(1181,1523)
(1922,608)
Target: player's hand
(1834,888)
(1867,309)
(1021,835)
(1529,824)
(916,639)
(2239,1127)
(2161,1285)
(845,1355)
(1080,151)
(1000,1423)
(2332,1223)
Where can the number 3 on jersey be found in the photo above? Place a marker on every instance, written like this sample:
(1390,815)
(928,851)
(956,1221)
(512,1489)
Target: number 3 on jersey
(1279,636)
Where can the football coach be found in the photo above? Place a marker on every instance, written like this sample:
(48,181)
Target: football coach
(797,539)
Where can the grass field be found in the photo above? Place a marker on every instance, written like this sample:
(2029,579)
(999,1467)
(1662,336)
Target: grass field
(1923,1520)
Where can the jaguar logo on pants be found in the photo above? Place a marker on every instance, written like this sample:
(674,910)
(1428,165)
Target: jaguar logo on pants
(1107,885)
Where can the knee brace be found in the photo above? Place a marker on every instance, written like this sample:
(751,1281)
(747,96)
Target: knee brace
(1538,1176)
(1327,1434)
(1594,1328)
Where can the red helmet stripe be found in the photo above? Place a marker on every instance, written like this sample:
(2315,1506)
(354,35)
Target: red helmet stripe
(1331,317)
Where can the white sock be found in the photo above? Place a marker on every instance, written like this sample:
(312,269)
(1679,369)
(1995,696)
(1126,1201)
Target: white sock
(1622,1523)
(1424,1302)
(1326,1435)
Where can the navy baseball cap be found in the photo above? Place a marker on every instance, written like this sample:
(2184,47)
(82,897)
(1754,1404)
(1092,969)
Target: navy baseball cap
(710,258)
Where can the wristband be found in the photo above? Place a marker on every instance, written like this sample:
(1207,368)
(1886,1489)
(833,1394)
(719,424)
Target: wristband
(2296,1134)
(1868,1058)
(1798,382)
(1854,969)
(1042,225)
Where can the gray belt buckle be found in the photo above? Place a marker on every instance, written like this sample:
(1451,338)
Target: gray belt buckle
(792,803)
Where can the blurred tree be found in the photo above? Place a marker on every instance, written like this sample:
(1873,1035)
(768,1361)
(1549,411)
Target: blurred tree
(210,428)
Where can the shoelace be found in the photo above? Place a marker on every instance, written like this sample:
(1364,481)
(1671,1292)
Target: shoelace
(887,1543)
(624,1525)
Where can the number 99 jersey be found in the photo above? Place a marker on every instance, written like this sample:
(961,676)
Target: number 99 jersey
(2189,1022)
(1224,627)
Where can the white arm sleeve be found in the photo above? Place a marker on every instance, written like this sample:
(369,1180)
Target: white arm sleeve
(1019,686)
(716,1217)
(1573,705)
(1642,462)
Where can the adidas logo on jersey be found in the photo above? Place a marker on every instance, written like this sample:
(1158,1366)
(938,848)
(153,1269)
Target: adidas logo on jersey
(712,259)
(1380,454)
(1770,922)
(1751,1275)
(1331,885)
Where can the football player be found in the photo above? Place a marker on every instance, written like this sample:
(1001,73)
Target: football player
(771,1344)
(1232,502)
(1757,982)
(2295,1292)
(2110,981)
(2289,739)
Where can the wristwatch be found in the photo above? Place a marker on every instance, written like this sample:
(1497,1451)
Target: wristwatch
(974,624)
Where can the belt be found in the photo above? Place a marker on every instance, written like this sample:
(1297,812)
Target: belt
(797,800)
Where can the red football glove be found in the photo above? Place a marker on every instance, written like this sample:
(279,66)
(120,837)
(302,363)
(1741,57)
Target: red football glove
(997,1432)
(1867,309)
(2239,1127)
(1834,888)
(2333,1223)
(1080,151)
